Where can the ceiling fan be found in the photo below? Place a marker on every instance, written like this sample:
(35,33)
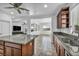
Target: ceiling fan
(17,7)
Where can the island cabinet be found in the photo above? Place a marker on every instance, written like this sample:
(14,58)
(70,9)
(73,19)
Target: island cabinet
(28,49)
(1,48)
(58,46)
(14,49)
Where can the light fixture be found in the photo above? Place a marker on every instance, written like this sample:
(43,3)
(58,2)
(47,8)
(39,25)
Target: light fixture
(31,13)
(45,6)
(44,26)
(12,12)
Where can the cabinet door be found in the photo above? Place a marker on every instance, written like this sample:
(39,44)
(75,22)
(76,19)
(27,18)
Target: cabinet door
(30,48)
(16,52)
(57,49)
(55,43)
(8,51)
(54,40)
(62,51)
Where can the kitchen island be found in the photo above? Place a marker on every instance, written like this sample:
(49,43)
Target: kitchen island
(66,44)
(17,45)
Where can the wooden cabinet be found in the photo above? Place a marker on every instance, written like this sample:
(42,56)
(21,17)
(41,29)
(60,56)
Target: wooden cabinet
(14,45)
(54,41)
(29,47)
(1,42)
(63,18)
(16,52)
(58,49)
(1,48)
(13,49)
(62,51)
(58,46)
(1,51)
(8,51)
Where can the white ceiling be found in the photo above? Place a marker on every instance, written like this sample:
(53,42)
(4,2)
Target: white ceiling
(35,8)
(38,8)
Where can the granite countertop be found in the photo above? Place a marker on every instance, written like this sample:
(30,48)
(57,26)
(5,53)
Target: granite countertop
(18,38)
(69,42)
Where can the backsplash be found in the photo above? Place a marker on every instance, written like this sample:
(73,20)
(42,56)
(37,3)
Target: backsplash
(76,28)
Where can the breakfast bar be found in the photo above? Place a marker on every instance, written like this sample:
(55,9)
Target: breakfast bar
(17,45)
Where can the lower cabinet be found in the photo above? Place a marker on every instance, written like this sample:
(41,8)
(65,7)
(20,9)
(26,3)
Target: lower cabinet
(8,51)
(16,52)
(28,49)
(62,51)
(13,49)
(59,48)
(1,48)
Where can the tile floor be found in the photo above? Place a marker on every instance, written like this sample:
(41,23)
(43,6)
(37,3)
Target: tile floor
(44,46)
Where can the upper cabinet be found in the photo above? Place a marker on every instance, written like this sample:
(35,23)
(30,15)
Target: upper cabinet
(63,18)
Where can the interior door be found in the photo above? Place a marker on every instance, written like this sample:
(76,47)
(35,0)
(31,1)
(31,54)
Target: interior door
(5,28)
(0,27)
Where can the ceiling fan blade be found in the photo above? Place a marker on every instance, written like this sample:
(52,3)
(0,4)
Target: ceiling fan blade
(24,9)
(17,4)
(19,11)
(9,7)
(11,4)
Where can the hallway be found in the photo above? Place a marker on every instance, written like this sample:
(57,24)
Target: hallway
(44,46)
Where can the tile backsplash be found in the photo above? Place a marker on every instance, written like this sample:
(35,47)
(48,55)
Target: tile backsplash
(76,27)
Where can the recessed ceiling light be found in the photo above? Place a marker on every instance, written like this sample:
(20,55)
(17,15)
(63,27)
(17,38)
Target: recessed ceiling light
(31,13)
(45,6)
(12,12)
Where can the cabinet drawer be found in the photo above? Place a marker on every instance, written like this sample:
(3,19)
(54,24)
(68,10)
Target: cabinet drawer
(8,51)
(16,52)
(13,45)
(1,42)
(1,55)
(1,51)
(1,47)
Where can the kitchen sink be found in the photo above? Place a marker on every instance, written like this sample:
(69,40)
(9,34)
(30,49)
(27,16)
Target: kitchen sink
(71,42)
(65,40)
(70,45)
